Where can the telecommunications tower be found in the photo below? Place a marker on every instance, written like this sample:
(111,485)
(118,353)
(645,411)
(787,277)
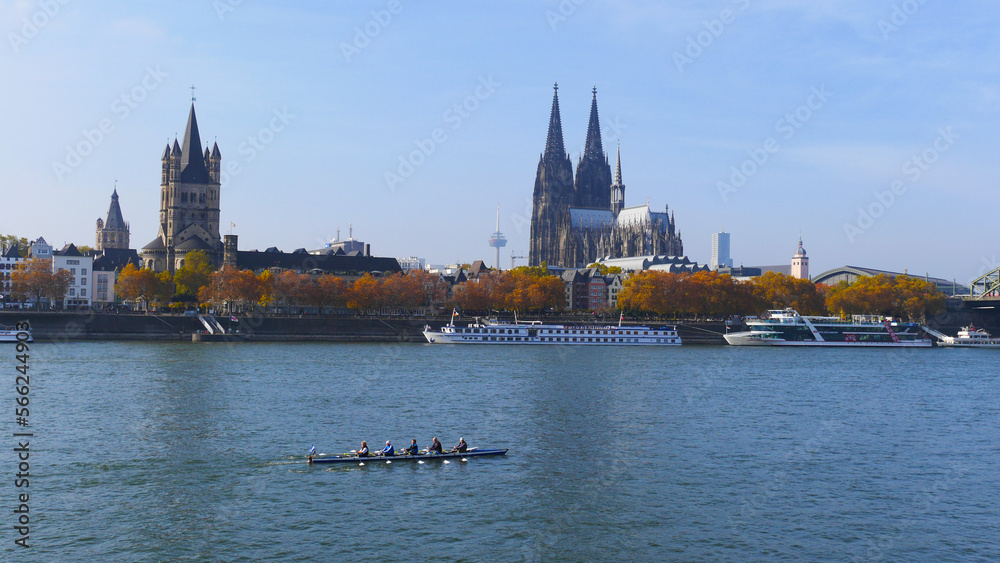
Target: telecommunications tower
(497,240)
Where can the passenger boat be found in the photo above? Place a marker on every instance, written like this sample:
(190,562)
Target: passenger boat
(353,458)
(9,334)
(971,337)
(788,328)
(492,331)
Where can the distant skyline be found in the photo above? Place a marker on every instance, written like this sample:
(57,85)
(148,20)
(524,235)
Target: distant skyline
(869,127)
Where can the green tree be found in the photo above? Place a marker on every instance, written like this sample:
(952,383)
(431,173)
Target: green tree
(193,275)
(22,243)
(604,269)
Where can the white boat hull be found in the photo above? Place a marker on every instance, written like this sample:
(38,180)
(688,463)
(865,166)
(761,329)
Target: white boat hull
(758,339)
(522,334)
(960,344)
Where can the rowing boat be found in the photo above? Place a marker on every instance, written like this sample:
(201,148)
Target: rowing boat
(353,458)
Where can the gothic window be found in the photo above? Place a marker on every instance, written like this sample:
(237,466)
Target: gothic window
(184,197)
(201,198)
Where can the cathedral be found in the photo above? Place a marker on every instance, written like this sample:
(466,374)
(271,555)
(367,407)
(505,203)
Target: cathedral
(576,222)
(189,203)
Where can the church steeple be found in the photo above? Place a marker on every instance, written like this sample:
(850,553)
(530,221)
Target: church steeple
(554,147)
(593,172)
(114,231)
(594,148)
(193,169)
(552,196)
(617,187)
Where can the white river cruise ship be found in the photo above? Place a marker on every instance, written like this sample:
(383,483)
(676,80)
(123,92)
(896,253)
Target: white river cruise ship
(492,331)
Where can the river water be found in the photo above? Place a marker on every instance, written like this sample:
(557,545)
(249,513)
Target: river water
(179,451)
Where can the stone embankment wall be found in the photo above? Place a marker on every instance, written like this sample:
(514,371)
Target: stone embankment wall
(62,327)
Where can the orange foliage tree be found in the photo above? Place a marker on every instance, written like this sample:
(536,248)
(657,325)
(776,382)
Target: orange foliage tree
(34,279)
(707,294)
(365,293)
(902,296)
(780,291)
(143,284)
(236,290)
(522,289)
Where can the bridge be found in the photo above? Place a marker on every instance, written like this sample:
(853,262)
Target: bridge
(986,286)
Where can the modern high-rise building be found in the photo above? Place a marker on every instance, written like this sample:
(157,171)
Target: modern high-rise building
(720,251)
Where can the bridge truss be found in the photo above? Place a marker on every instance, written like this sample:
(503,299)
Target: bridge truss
(986,285)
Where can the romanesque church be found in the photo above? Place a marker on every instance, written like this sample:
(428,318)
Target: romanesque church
(189,203)
(575,223)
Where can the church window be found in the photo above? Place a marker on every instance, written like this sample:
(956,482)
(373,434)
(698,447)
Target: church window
(184,197)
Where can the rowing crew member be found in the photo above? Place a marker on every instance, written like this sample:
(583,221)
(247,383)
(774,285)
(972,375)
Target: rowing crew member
(363,452)
(461,447)
(413,449)
(435,446)
(387,450)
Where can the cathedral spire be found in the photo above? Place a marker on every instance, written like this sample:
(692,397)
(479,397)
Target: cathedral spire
(617,186)
(193,168)
(594,148)
(554,143)
(618,167)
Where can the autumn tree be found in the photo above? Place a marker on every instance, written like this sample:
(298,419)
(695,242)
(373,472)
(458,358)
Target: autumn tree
(780,291)
(193,275)
(143,284)
(31,280)
(400,290)
(265,280)
(365,293)
(433,287)
(902,296)
(473,295)
(232,288)
(289,288)
(325,291)
(708,294)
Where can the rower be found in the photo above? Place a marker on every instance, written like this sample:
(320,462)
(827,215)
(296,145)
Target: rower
(363,452)
(435,446)
(461,447)
(387,450)
(413,449)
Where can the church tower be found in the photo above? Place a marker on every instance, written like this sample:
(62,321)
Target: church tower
(553,195)
(189,202)
(593,173)
(800,263)
(114,231)
(617,187)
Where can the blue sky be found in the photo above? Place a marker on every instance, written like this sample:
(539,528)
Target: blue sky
(868,126)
